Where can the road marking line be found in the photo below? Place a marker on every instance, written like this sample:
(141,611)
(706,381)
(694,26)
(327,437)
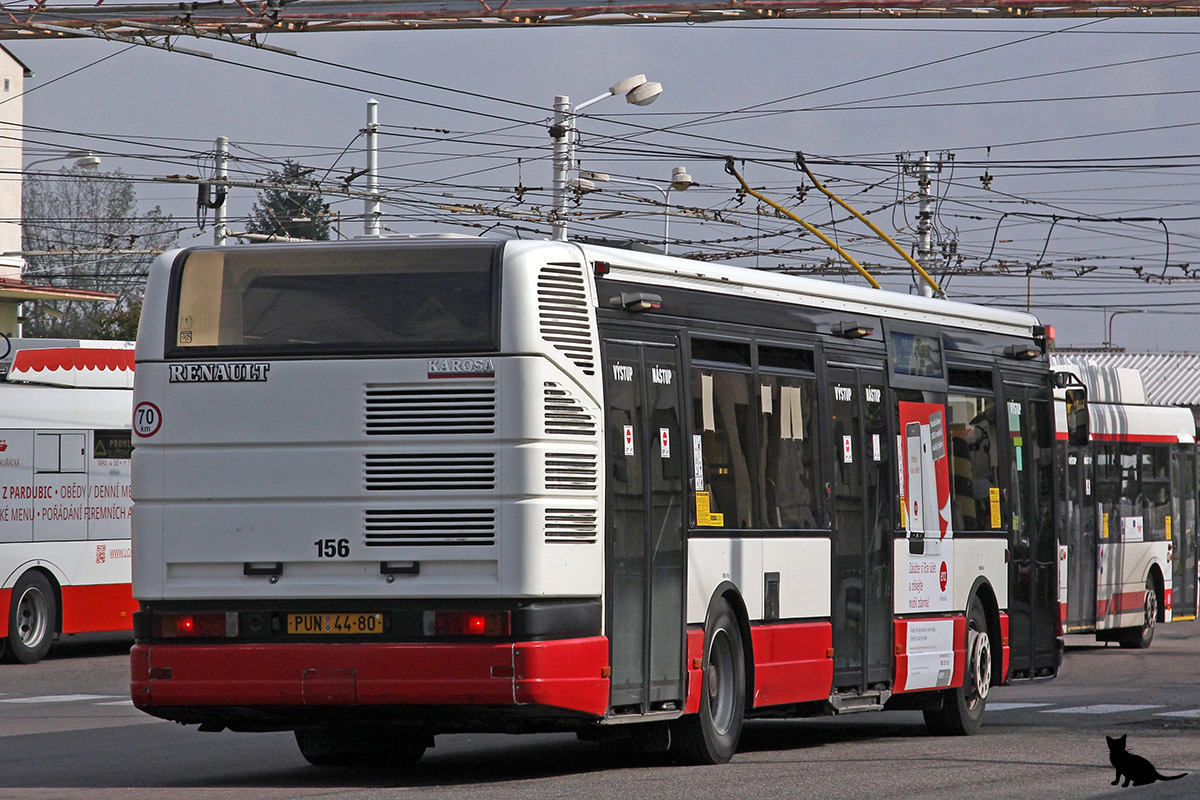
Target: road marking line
(117,703)
(58,698)
(1109,708)
(1193,713)
(1012,706)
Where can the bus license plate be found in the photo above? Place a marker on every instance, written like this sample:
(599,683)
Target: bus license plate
(335,624)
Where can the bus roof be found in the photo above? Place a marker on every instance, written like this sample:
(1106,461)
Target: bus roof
(826,294)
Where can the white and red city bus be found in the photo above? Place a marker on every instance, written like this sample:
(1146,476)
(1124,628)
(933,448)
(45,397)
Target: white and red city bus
(1128,537)
(65,495)
(393,488)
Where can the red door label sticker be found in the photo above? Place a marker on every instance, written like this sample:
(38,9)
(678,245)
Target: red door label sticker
(943,576)
(147,419)
(664,442)
(628,440)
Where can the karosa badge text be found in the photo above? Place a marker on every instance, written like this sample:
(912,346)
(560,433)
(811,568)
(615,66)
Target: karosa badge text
(212,373)
(461,368)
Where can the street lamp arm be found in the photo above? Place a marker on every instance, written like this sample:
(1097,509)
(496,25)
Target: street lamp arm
(1113,316)
(84,159)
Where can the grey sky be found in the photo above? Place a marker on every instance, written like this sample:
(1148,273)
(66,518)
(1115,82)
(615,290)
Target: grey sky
(154,113)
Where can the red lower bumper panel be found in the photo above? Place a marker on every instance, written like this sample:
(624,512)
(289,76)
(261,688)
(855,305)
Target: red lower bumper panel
(568,675)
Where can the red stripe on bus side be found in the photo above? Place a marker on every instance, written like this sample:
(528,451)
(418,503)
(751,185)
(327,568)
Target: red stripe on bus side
(960,657)
(1121,603)
(1004,647)
(100,608)
(1134,437)
(695,652)
(563,674)
(5,599)
(792,663)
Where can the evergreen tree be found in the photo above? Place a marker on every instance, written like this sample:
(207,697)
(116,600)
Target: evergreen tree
(286,212)
(78,215)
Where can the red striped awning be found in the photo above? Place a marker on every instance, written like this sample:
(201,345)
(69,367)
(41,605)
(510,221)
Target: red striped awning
(92,367)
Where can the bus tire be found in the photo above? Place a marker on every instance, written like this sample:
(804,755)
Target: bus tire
(711,736)
(31,615)
(1140,638)
(960,712)
(338,746)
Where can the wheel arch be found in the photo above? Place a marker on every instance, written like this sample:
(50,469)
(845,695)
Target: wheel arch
(730,593)
(1154,574)
(55,586)
(983,591)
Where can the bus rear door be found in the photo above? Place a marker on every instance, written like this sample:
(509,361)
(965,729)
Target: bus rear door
(645,612)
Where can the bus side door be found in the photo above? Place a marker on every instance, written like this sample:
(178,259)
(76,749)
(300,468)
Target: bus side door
(644,581)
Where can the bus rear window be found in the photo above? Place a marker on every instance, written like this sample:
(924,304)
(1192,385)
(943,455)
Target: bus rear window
(336,299)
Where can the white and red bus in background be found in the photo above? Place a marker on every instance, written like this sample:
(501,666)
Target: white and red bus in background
(393,488)
(65,498)
(1127,533)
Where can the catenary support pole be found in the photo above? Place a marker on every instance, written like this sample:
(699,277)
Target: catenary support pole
(220,231)
(371,211)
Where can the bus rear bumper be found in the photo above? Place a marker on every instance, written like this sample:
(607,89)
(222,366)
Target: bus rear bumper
(193,682)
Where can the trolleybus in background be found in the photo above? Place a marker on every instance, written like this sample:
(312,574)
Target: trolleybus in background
(388,489)
(1127,535)
(65,496)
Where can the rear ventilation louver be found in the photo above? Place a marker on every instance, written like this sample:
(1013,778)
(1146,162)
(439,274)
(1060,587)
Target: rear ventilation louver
(565,414)
(430,528)
(570,526)
(402,472)
(440,411)
(571,472)
(564,314)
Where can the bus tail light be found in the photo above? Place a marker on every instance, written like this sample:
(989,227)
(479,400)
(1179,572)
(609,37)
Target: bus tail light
(468,623)
(207,625)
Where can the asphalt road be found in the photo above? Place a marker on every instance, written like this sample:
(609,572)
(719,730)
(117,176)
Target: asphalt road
(68,730)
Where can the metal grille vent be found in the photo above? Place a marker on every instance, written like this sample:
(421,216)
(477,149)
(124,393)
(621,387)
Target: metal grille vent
(440,411)
(402,472)
(565,414)
(571,472)
(570,526)
(564,314)
(466,527)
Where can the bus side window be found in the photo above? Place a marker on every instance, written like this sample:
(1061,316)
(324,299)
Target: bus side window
(789,474)
(974,463)
(723,420)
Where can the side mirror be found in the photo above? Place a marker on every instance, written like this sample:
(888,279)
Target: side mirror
(1077,416)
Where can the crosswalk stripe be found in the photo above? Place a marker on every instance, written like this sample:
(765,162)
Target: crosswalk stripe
(58,698)
(1013,706)
(1105,708)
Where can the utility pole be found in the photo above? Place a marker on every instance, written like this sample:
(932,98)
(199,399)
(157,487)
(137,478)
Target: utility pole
(561,131)
(220,231)
(928,259)
(371,212)
(924,223)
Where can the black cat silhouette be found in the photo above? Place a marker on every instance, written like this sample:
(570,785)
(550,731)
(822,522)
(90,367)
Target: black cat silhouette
(1133,767)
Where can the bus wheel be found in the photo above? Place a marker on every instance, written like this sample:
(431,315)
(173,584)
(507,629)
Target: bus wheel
(358,746)
(1141,638)
(711,736)
(31,615)
(961,709)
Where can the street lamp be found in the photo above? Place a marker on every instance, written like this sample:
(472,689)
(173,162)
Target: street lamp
(1113,315)
(84,159)
(680,180)
(637,90)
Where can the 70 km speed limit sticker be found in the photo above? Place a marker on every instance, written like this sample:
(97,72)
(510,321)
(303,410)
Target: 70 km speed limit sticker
(147,419)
